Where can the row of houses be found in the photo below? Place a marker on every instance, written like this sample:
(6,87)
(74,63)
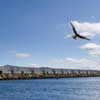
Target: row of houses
(18,69)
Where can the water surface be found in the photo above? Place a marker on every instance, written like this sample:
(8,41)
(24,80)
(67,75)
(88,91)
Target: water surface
(51,89)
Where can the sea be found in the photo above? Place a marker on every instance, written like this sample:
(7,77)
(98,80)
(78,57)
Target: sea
(51,89)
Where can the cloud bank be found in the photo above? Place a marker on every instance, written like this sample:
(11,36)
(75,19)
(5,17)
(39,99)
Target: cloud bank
(73,63)
(92,48)
(89,30)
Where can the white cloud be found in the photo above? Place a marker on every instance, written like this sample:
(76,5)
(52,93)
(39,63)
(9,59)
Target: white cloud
(87,29)
(92,48)
(19,54)
(23,55)
(72,63)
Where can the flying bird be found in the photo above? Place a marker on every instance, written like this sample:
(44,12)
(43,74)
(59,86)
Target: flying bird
(77,36)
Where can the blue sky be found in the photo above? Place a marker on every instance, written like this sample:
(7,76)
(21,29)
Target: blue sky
(33,31)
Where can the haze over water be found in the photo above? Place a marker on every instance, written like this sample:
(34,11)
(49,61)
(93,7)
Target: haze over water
(51,89)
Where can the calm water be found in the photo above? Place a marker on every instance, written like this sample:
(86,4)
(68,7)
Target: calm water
(51,89)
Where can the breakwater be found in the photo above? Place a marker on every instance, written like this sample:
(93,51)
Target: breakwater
(8,72)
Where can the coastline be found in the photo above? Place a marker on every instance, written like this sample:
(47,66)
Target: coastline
(41,76)
(10,72)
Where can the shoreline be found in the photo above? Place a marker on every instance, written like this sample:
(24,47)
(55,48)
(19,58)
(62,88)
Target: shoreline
(40,76)
(10,72)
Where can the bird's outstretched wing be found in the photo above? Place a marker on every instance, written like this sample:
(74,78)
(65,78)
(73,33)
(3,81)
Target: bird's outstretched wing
(78,35)
(83,37)
(73,28)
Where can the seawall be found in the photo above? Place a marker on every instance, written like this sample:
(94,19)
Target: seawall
(9,72)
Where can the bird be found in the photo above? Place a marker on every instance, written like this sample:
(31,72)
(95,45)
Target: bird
(77,36)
